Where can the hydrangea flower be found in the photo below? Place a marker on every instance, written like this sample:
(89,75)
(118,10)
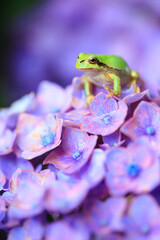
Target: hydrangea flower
(74,151)
(63,196)
(132,169)
(143,219)
(24,104)
(107,115)
(89,171)
(145,122)
(103,217)
(112,140)
(3,209)
(32,229)
(7,138)
(36,135)
(74,117)
(6,142)
(2,180)
(10,163)
(46,100)
(63,230)
(29,189)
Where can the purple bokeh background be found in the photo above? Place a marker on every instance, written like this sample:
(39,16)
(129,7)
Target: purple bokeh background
(46,40)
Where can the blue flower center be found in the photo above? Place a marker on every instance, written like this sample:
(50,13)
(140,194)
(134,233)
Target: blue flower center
(150,131)
(145,230)
(104,222)
(48,138)
(133,170)
(76,155)
(107,119)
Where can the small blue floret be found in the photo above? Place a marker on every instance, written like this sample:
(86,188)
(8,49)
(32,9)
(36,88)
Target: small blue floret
(133,170)
(107,119)
(48,138)
(76,155)
(150,131)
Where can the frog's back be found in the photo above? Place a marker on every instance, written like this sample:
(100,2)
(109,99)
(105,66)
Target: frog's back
(113,61)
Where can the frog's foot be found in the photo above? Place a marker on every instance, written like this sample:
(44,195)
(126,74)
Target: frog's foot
(111,92)
(89,99)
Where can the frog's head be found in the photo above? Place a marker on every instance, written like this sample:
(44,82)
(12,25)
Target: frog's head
(88,62)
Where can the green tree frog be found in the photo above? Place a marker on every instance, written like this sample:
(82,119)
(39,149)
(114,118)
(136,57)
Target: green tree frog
(106,69)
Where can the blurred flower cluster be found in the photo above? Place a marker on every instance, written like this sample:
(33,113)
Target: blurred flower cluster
(69,171)
(45,42)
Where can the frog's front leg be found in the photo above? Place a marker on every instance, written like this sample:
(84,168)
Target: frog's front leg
(88,90)
(116,85)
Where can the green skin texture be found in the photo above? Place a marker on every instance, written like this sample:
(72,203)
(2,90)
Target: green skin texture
(106,69)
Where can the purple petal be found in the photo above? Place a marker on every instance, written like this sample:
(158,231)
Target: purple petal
(145,213)
(62,230)
(47,100)
(17,233)
(74,153)
(2,180)
(78,94)
(74,117)
(135,97)
(102,126)
(10,163)
(94,171)
(104,216)
(34,228)
(102,105)
(44,137)
(6,142)
(63,197)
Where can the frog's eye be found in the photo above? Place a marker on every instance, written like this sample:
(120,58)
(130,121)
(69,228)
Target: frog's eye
(93,60)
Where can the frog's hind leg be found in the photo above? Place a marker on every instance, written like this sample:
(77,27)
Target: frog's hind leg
(136,89)
(88,90)
(135,77)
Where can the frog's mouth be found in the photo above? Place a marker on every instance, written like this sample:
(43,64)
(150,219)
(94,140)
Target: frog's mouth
(89,70)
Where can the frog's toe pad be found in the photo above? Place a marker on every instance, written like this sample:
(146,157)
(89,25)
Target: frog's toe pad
(110,95)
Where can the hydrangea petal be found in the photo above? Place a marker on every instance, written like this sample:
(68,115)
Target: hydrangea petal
(72,154)
(102,105)
(105,124)
(44,137)
(18,233)
(10,163)
(63,197)
(104,217)
(6,141)
(62,230)
(73,118)
(145,121)
(135,97)
(47,100)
